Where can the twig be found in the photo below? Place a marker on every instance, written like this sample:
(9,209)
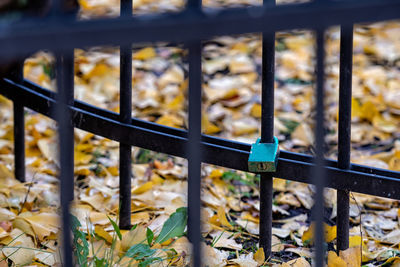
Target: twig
(27,193)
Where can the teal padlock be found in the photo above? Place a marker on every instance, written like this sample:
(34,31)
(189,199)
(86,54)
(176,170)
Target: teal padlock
(263,156)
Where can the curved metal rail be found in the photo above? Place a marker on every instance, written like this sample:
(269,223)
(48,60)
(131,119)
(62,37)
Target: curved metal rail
(217,151)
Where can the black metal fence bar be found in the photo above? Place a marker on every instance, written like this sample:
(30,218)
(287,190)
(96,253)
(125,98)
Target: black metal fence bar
(125,150)
(267,133)
(65,87)
(194,148)
(19,129)
(344,141)
(194,151)
(318,176)
(60,34)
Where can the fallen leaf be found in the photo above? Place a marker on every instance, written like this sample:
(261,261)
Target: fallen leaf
(330,233)
(20,251)
(299,262)
(259,256)
(334,260)
(222,218)
(245,260)
(352,256)
(134,237)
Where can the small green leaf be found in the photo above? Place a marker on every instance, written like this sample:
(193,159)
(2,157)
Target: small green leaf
(139,251)
(80,243)
(174,226)
(133,227)
(116,228)
(99,262)
(150,236)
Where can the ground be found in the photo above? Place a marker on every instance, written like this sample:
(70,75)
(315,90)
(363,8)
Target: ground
(29,219)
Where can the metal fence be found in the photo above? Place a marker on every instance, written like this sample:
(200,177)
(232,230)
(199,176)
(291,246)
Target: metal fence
(61,33)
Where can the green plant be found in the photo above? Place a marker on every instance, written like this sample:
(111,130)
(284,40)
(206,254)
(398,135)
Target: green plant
(81,245)
(173,227)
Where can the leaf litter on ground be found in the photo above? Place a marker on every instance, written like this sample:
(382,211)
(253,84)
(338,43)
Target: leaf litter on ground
(29,229)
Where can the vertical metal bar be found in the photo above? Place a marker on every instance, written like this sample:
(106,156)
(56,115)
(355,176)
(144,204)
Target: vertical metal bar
(194,5)
(56,7)
(344,142)
(194,153)
(126,8)
(125,151)
(19,127)
(19,141)
(65,96)
(319,171)
(267,134)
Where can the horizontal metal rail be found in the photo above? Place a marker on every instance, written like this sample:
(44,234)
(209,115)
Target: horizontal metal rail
(60,34)
(217,151)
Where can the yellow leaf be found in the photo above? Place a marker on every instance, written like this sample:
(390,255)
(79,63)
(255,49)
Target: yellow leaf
(82,171)
(3,233)
(354,241)
(84,147)
(96,200)
(84,4)
(256,111)
(335,261)
(5,173)
(394,262)
(177,103)
(140,217)
(330,233)
(241,47)
(44,224)
(259,256)
(352,256)
(222,218)
(216,173)
(143,188)
(214,220)
(299,262)
(249,217)
(355,108)
(99,218)
(103,234)
(113,170)
(369,110)
(279,184)
(170,120)
(21,224)
(99,70)
(82,158)
(20,249)
(394,164)
(207,126)
(156,179)
(49,149)
(145,53)
(167,242)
